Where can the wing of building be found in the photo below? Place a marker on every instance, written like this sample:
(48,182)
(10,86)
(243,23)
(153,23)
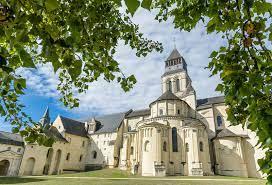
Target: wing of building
(177,134)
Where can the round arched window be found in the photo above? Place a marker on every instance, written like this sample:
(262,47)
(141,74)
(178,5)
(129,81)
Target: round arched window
(219,121)
(174,139)
(94,154)
(187,147)
(201,146)
(164,146)
(170,86)
(147,146)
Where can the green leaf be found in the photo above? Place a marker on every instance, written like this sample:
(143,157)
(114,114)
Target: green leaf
(146,4)
(132,5)
(26,59)
(51,5)
(2,111)
(220,88)
(213,54)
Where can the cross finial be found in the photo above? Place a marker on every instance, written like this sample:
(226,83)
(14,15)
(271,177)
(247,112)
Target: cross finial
(174,40)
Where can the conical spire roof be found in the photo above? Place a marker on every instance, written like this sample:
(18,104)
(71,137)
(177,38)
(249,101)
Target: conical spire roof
(45,120)
(168,95)
(174,54)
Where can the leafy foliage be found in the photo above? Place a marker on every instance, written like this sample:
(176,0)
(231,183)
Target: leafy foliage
(244,64)
(78,38)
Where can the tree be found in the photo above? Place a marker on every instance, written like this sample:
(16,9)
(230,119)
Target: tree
(244,64)
(79,39)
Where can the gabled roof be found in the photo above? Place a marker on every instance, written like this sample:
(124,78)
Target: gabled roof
(174,54)
(110,123)
(136,113)
(54,133)
(11,139)
(207,102)
(73,127)
(227,133)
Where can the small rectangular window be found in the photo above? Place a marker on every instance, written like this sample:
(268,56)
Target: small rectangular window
(161,112)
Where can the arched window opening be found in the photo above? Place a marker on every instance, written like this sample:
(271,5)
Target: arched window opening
(201,146)
(131,150)
(170,86)
(80,158)
(187,147)
(161,112)
(147,146)
(178,112)
(68,157)
(94,154)
(164,146)
(177,85)
(219,121)
(175,139)
(4,167)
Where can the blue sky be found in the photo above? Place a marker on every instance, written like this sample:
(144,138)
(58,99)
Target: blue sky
(105,98)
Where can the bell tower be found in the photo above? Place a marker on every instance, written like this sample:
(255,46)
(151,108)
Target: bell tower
(177,80)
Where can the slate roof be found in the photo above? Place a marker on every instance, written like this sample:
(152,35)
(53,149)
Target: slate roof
(54,133)
(168,95)
(174,54)
(207,102)
(227,133)
(11,139)
(111,122)
(73,127)
(136,113)
(172,72)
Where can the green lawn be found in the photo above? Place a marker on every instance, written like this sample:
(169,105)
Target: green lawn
(114,177)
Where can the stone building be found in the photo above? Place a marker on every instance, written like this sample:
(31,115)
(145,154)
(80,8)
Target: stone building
(177,134)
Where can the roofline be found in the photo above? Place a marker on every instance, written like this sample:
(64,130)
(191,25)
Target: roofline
(165,100)
(71,119)
(241,136)
(128,116)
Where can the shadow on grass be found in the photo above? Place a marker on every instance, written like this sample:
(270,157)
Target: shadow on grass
(18,180)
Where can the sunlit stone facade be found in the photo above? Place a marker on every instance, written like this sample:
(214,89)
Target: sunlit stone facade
(177,134)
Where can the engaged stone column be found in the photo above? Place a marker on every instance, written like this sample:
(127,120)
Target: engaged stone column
(159,147)
(196,166)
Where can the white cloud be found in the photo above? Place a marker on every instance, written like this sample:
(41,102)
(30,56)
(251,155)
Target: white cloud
(43,81)
(103,97)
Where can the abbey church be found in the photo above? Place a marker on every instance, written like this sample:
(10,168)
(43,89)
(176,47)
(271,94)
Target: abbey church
(177,134)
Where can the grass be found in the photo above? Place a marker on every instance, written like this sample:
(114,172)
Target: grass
(108,173)
(114,177)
